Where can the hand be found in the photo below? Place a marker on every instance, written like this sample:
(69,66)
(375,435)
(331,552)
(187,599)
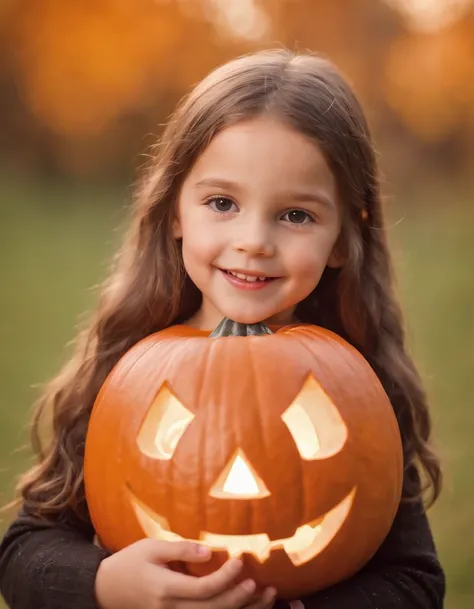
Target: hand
(137,577)
(265,601)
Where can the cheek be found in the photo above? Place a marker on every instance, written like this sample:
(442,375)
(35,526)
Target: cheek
(200,246)
(307,259)
(198,238)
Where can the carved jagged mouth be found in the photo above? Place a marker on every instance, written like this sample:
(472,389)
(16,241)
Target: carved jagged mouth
(307,542)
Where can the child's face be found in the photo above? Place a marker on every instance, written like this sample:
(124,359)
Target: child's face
(262,202)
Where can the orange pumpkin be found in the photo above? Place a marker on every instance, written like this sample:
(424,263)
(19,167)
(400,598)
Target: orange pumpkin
(281,448)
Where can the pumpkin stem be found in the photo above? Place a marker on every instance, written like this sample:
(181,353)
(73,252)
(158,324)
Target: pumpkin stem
(227,327)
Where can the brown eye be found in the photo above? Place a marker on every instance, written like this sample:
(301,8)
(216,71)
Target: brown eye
(298,216)
(221,204)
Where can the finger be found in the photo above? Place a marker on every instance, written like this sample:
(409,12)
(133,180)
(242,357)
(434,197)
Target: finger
(266,601)
(201,588)
(236,597)
(184,551)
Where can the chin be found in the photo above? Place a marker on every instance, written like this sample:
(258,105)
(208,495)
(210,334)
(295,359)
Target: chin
(248,318)
(242,317)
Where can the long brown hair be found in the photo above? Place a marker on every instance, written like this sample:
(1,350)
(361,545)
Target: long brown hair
(149,288)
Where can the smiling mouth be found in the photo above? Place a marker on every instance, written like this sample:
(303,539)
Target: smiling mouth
(249,277)
(307,542)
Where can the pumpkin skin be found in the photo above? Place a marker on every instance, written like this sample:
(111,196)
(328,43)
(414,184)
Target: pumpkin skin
(237,394)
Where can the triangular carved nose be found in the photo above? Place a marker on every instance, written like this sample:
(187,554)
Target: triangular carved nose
(239,480)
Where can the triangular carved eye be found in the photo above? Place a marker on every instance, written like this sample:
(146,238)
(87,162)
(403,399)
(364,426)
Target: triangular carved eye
(315,423)
(164,426)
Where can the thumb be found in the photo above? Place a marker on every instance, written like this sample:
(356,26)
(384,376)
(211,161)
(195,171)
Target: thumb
(169,551)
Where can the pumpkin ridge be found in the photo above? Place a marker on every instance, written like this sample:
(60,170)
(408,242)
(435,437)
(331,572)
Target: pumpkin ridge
(394,428)
(177,347)
(260,423)
(203,454)
(371,376)
(119,367)
(305,334)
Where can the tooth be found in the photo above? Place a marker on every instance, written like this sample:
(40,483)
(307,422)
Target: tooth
(317,522)
(249,278)
(303,537)
(259,545)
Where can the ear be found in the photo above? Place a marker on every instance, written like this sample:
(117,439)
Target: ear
(338,255)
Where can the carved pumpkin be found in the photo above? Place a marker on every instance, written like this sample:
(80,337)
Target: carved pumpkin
(281,448)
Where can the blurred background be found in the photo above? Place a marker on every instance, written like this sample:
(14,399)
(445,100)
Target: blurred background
(85,88)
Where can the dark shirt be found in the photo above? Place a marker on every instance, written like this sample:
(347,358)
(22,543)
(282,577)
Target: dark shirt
(54,567)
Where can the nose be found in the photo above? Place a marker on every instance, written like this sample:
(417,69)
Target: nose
(239,480)
(254,239)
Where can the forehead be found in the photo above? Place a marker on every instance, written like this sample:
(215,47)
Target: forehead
(284,157)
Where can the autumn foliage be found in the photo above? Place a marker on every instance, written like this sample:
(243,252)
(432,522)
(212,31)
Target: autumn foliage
(84,82)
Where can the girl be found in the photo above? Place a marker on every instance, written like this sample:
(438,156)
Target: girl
(262,204)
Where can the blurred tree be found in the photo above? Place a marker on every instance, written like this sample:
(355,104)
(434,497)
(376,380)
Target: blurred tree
(416,83)
(434,91)
(82,83)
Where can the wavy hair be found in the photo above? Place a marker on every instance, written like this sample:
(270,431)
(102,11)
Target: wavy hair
(149,289)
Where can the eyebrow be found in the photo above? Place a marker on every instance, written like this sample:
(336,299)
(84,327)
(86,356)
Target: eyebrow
(311,196)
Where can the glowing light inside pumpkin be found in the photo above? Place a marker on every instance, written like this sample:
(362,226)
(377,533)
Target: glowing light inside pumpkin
(302,429)
(167,441)
(164,426)
(314,422)
(307,542)
(239,480)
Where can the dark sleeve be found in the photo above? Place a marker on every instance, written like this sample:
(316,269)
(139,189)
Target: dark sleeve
(404,574)
(45,566)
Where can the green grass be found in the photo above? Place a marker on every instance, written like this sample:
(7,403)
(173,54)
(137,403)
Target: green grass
(436,252)
(55,244)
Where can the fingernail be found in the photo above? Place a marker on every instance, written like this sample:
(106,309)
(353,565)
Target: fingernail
(248,585)
(203,550)
(234,564)
(271,592)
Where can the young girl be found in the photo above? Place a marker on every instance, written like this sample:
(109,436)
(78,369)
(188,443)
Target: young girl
(262,204)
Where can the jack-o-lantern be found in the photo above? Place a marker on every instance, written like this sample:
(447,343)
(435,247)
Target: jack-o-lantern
(281,448)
